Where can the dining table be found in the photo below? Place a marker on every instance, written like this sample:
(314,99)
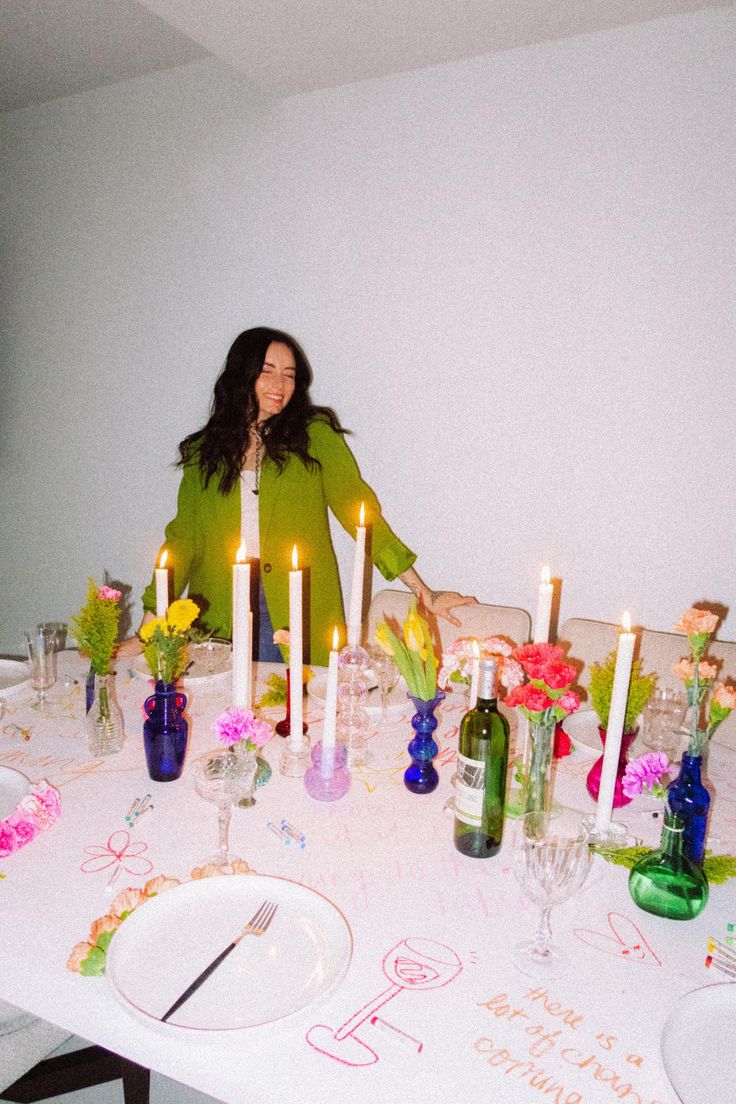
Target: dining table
(386,973)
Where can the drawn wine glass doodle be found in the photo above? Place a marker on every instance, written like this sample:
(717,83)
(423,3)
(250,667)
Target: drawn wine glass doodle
(119,852)
(413,964)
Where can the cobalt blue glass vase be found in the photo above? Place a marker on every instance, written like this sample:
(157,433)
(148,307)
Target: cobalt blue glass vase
(165,732)
(689,800)
(421,777)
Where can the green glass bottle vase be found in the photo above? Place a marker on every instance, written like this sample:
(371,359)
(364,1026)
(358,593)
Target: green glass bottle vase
(665,882)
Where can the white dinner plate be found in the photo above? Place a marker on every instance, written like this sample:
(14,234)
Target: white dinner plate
(195,673)
(582,728)
(167,942)
(13,786)
(698,1043)
(14,676)
(397,699)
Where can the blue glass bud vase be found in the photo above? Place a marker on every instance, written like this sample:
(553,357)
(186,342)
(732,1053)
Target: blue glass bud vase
(421,777)
(165,732)
(689,800)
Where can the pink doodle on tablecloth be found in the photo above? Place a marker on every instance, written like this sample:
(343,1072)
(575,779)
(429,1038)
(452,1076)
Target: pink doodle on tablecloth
(626,942)
(414,964)
(117,851)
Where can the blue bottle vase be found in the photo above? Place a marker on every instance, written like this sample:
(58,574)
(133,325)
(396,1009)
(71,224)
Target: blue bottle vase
(165,732)
(689,800)
(421,777)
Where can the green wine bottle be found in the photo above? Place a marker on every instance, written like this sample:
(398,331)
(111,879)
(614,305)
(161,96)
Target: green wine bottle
(480,786)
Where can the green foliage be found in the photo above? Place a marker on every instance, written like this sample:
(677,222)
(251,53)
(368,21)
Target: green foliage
(601,688)
(717,868)
(96,629)
(276,693)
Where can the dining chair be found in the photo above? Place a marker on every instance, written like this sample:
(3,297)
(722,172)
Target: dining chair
(479,620)
(592,641)
(30,1070)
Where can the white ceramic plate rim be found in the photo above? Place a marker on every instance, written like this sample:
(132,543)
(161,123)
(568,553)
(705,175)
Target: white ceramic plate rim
(13,667)
(193,889)
(680,1056)
(14,785)
(317,689)
(582,728)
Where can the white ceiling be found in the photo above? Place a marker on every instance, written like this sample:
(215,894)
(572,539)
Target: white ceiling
(53,48)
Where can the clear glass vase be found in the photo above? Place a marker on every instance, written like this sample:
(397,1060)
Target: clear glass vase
(665,882)
(105,729)
(537,771)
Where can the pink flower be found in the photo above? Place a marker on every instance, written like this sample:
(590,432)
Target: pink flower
(644,773)
(512,674)
(569,701)
(237,724)
(25,827)
(48,796)
(281,636)
(8,839)
(108,593)
(557,675)
(695,621)
(534,657)
(725,696)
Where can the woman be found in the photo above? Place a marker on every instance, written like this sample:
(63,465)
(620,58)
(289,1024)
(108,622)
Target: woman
(265,468)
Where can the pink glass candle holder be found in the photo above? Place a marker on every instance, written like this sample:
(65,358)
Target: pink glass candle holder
(328,779)
(593,781)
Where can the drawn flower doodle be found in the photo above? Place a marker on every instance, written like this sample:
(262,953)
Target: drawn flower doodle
(118,850)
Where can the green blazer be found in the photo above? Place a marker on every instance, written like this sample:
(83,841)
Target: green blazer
(203,538)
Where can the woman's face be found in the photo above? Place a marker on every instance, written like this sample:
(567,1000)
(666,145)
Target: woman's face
(275,385)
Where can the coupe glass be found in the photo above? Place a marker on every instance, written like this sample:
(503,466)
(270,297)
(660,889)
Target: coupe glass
(209,655)
(42,647)
(223,777)
(387,676)
(551,861)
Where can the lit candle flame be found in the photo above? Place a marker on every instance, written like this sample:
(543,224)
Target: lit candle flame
(545,576)
(362,514)
(626,622)
(164,558)
(294,558)
(476,649)
(241,555)
(335,639)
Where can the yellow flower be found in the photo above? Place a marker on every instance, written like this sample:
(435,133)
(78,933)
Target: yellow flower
(415,633)
(181,614)
(383,638)
(147,631)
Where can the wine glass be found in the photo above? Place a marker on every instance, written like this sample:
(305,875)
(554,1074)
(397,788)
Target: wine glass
(387,676)
(663,715)
(551,862)
(223,777)
(42,647)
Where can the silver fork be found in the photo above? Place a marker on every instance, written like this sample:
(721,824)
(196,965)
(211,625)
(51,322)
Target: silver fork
(259,923)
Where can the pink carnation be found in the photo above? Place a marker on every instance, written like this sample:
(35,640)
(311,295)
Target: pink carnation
(24,826)
(534,657)
(569,701)
(237,724)
(109,593)
(644,773)
(529,697)
(695,621)
(512,674)
(557,675)
(8,839)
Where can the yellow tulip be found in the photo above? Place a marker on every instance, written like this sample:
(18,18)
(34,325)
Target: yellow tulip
(383,638)
(414,633)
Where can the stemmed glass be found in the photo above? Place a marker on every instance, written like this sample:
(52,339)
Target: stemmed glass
(223,777)
(551,862)
(387,676)
(210,655)
(42,646)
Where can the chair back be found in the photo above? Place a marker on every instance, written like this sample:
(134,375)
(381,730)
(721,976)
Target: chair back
(658,652)
(477,620)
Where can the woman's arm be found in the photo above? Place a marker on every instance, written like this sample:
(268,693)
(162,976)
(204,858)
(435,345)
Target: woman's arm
(436,602)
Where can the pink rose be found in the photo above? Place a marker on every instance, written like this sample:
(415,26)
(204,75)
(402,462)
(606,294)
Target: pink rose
(695,622)
(557,675)
(725,696)
(108,593)
(569,701)
(25,827)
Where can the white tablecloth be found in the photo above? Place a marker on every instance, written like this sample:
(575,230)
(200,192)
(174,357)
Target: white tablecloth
(385,857)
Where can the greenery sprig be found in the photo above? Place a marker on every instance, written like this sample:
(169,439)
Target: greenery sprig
(601,689)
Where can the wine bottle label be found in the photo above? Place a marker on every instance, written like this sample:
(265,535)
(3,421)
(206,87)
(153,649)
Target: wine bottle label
(469,789)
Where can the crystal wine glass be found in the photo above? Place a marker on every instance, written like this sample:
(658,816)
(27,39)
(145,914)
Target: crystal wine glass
(42,646)
(551,862)
(210,655)
(223,777)
(387,676)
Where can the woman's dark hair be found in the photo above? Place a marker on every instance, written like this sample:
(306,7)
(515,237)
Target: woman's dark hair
(220,445)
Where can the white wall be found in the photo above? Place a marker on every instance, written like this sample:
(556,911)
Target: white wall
(514,277)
